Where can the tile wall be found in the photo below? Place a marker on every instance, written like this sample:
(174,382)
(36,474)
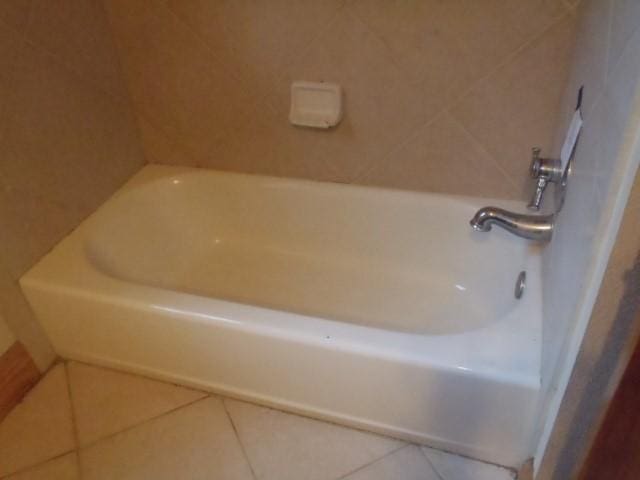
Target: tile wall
(607,63)
(439,96)
(68,137)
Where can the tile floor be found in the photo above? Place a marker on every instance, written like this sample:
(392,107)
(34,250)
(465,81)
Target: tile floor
(92,423)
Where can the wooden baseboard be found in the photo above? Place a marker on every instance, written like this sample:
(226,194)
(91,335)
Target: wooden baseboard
(18,374)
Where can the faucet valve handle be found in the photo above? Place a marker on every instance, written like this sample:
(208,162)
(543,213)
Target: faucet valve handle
(544,167)
(537,195)
(545,170)
(534,168)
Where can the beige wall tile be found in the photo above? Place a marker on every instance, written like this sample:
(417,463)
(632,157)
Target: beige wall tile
(174,79)
(94,143)
(380,107)
(65,143)
(445,46)
(27,233)
(515,108)
(159,149)
(442,157)
(624,22)
(210,81)
(589,64)
(256,40)
(429,54)
(78,33)
(490,29)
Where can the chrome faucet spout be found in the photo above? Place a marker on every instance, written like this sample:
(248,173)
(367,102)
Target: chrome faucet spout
(531,227)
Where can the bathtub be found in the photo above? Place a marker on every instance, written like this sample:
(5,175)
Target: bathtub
(373,308)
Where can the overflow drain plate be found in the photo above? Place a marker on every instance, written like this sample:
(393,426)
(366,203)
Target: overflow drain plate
(521,282)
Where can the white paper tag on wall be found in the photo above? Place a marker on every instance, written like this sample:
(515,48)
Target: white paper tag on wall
(571,138)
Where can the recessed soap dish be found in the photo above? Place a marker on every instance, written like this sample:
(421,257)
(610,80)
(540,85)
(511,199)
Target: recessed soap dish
(317,105)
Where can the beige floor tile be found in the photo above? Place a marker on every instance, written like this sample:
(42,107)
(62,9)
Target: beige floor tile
(408,463)
(106,402)
(194,442)
(454,467)
(61,468)
(283,446)
(40,428)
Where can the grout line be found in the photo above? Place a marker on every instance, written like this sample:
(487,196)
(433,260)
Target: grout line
(235,430)
(470,459)
(71,405)
(204,397)
(368,464)
(482,147)
(38,464)
(74,423)
(508,59)
(300,53)
(55,363)
(389,50)
(239,80)
(133,110)
(76,456)
(143,422)
(451,104)
(413,134)
(247,112)
(309,416)
(433,467)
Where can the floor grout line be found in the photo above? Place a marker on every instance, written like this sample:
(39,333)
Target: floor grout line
(51,367)
(235,430)
(78,448)
(361,467)
(433,467)
(38,464)
(74,424)
(143,422)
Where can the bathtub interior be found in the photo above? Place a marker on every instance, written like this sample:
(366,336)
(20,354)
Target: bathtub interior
(313,249)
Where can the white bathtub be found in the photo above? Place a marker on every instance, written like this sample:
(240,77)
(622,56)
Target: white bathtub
(375,308)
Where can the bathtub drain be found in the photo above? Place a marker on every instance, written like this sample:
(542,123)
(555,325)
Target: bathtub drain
(520,284)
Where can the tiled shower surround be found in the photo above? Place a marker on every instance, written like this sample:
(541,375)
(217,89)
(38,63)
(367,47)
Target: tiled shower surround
(439,96)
